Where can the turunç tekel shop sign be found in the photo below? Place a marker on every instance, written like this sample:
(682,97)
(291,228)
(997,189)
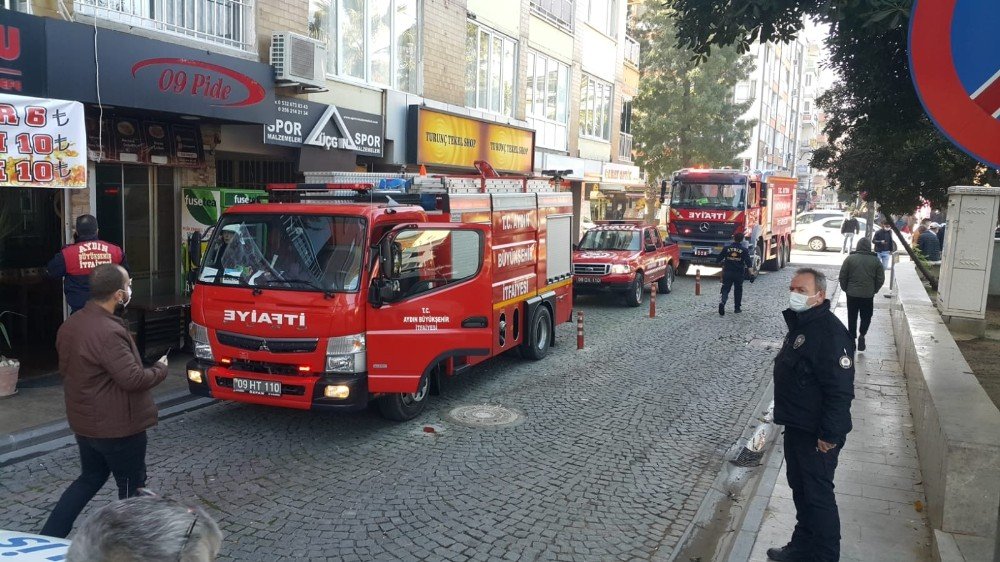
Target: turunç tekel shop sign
(299,123)
(445,139)
(136,72)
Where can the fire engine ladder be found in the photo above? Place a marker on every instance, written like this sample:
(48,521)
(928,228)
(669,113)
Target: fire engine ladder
(301,244)
(469,185)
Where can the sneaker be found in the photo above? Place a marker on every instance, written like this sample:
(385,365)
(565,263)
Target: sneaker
(861,343)
(784,554)
(738,310)
(722,309)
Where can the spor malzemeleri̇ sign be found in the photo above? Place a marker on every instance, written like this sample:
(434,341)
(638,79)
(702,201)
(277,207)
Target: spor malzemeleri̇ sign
(299,123)
(43,142)
(955,65)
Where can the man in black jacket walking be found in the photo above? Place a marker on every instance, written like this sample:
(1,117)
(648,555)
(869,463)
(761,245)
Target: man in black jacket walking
(813,389)
(849,230)
(884,244)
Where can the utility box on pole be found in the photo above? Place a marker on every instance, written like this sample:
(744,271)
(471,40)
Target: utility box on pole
(968,255)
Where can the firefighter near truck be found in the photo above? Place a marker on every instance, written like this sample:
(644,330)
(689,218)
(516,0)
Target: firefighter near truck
(708,206)
(331,296)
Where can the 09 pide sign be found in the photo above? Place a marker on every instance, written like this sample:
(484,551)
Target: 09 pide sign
(955,65)
(445,139)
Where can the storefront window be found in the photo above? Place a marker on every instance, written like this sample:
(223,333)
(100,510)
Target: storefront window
(491,61)
(547,98)
(375,41)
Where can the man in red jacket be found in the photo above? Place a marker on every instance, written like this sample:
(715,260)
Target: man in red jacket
(108,401)
(75,262)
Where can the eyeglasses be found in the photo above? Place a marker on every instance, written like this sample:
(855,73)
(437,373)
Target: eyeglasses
(187,536)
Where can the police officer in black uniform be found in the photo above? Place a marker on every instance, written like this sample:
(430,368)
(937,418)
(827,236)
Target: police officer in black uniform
(813,389)
(735,259)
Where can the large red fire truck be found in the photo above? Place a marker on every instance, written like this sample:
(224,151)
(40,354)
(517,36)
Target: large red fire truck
(333,295)
(708,206)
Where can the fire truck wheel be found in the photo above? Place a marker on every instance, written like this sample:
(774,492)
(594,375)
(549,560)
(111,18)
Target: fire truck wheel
(633,297)
(402,407)
(682,268)
(536,345)
(666,283)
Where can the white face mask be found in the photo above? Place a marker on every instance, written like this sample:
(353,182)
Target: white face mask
(799,302)
(128,296)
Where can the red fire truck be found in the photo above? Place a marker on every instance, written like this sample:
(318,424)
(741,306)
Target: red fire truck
(330,296)
(708,206)
(623,257)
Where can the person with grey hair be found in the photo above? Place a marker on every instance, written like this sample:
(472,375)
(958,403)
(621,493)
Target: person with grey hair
(813,390)
(147,529)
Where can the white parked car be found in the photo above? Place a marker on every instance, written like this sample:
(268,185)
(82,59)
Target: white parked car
(823,234)
(810,217)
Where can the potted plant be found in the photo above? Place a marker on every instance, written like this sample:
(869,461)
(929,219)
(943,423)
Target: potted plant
(8,367)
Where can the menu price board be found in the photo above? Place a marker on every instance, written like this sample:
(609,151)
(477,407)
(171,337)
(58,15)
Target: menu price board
(42,143)
(127,139)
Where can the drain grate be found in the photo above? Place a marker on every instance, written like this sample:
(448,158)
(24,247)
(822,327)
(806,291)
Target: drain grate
(484,415)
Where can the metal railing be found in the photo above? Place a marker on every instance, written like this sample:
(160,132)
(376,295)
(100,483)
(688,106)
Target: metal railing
(625,147)
(221,22)
(632,51)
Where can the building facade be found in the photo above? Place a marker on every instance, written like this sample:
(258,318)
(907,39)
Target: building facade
(185,113)
(814,190)
(775,87)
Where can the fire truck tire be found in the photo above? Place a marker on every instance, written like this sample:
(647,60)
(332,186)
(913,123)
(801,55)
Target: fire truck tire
(682,268)
(788,252)
(402,407)
(666,283)
(536,346)
(781,254)
(633,297)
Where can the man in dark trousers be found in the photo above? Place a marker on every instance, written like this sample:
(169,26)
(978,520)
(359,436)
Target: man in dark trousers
(735,259)
(884,244)
(109,406)
(849,230)
(75,262)
(813,389)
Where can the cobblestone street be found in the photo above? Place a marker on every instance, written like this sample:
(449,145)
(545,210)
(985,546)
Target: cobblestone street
(616,449)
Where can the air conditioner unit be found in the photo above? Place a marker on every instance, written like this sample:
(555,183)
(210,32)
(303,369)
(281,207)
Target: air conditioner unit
(298,60)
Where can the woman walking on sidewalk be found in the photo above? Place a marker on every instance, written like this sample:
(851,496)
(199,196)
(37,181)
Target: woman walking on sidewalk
(861,277)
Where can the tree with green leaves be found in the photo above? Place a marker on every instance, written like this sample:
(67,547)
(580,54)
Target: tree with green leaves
(882,144)
(685,113)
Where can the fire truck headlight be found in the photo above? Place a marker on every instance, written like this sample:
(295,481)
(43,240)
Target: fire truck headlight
(194,376)
(202,348)
(346,354)
(620,268)
(339,391)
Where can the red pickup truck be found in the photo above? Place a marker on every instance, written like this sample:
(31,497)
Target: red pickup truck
(623,257)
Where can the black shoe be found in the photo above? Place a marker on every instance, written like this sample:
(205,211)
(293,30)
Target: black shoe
(722,309)
(861,343)
(738,310)
(784,554)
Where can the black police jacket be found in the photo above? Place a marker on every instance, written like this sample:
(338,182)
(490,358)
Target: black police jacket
(734,258)
(814,374)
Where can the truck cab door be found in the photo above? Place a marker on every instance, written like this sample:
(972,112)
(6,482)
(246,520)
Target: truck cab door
(430,300)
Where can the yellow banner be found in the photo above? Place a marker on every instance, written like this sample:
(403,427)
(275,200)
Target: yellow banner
(450,140)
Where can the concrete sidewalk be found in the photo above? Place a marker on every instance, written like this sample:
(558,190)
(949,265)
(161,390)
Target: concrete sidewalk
(34,419)
(878,480)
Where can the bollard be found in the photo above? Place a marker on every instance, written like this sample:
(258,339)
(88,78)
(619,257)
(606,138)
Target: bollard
(579,330)
(697,282)
(652,300)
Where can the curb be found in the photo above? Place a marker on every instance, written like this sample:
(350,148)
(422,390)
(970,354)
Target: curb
(748,526)
(34,441)
(721,485)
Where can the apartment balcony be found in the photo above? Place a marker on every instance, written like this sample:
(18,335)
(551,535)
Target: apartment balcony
(632,51)
(625,147)
(227,23)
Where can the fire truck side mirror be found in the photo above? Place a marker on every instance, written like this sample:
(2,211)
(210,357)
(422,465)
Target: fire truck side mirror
(194,249)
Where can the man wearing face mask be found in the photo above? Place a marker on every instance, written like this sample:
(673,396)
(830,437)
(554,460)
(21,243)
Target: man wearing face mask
(109,406)
(813,389)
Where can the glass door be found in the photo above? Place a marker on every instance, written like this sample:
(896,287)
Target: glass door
(136,208)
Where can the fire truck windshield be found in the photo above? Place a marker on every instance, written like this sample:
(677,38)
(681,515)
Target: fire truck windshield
(709,196)
(287,252)
(617,239)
